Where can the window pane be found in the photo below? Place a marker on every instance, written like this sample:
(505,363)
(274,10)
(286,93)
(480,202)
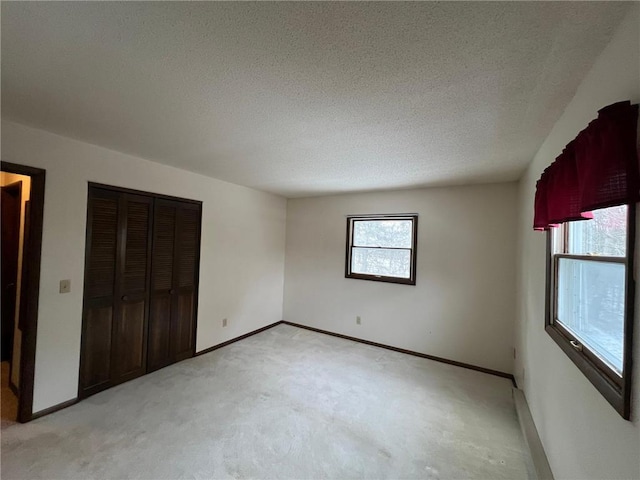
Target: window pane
(605,234)
(382,233)
(591,304)
(380,261)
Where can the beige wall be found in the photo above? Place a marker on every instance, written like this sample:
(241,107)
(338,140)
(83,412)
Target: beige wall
(7,179)
(583,436)
(463,305)
(242,255)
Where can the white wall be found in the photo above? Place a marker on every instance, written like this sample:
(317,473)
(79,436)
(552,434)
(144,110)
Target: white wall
(582,434)
(242,254)
(463,305)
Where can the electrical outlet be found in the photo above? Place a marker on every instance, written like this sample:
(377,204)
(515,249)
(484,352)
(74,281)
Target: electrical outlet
(358,322)
(65,286)
(514,353)
(224,322)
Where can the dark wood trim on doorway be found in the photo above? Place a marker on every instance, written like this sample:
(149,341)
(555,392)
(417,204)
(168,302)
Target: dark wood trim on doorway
(32,254)
(16,188)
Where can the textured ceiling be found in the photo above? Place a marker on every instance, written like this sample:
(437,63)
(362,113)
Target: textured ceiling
(305,98)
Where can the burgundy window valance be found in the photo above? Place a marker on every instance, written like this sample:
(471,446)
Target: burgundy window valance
(598,169)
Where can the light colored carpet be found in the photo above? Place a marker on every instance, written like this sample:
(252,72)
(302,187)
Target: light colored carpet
(286,403)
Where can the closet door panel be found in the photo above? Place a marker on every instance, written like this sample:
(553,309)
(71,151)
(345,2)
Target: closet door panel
(96,349)
(102,244)
(130,340)
(159,346)
(183,336)
(99,291)
(187,258)
(188,241)
(164,232)
(162,275)
(136,251)
(140,292)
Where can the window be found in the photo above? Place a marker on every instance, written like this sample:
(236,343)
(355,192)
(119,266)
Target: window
(590,298)
(382,248)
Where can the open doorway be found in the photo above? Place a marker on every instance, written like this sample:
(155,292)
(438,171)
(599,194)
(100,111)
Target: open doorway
(21,206)
(13,204)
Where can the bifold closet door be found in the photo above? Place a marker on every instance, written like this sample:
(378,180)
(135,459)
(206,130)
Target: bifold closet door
(132,299)
(185,286)
(176,245)
(162,292)
(99,291)
(116,297)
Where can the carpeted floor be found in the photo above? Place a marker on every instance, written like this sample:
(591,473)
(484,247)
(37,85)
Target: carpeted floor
(286,403)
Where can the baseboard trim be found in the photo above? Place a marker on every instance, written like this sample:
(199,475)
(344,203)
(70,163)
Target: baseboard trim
(73,401)
(237,339)
(532,439)
(408,352)
(489,371)
(55,408)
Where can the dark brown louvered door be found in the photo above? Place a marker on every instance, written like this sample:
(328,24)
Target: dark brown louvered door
(141,285)
(176,247)
(162,292)
(129,350)
(185,280)
(99,291)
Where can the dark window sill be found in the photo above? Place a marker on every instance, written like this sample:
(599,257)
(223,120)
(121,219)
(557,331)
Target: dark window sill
(376,278)
(609,390)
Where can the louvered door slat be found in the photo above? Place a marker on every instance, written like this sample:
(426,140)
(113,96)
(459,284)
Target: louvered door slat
(164,233)
(100,280)
(136,245)
(188,244)
(130,337)
(141,285)
(100,273)
(187,258)
(162,261)
(96,365)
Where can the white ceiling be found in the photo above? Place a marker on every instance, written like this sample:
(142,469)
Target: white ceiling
(305,98)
